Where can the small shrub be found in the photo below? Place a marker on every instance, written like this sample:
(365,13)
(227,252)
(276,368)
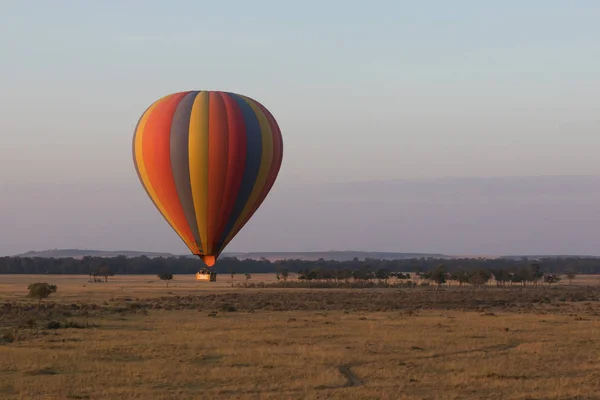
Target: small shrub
(53,325)
(29,323)
(228,308)
(8,337)
(73,324)
(74,396)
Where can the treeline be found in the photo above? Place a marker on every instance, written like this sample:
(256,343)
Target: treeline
(185,265)
(516,275)
(525,275)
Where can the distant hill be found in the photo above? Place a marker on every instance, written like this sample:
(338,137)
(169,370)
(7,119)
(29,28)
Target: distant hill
(331,255)
(538,257)
(77,253)
(272,256)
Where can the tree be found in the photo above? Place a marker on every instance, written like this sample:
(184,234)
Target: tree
(343,275)
(284,274)
(438,275)
(480,277)
(551,278)
(461,277)
(40,291)
(570,275)
(418,273)
(536,272)
(501,276)
(232,274)
(382,275)
(105,271)
(165,276)
(363,274)
(398,275)
(526,274)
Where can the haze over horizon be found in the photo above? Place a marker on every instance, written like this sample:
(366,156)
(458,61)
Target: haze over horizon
(459,128)
(466,216)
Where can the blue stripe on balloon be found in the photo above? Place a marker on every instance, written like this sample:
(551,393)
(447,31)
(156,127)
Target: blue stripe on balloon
(252,166)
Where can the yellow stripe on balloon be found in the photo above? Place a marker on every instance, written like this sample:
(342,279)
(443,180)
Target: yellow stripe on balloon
(138,145)
(198,152)
(265,165)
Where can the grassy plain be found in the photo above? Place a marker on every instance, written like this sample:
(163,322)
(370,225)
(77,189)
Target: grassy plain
(138,339)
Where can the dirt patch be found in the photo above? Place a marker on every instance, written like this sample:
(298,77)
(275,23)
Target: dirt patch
(352,379)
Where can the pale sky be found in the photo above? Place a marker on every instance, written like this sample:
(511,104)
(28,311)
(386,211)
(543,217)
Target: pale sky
(361,90)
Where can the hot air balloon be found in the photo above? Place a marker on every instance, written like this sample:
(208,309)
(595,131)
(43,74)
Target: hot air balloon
(207,160)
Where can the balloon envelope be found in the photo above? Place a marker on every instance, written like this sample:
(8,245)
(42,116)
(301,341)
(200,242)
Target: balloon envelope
(207,160)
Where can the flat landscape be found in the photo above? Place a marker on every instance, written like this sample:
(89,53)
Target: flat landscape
(135,338)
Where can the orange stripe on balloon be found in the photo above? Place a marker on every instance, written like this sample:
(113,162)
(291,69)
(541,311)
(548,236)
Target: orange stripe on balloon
(139,161)
(156,154)
(198,158)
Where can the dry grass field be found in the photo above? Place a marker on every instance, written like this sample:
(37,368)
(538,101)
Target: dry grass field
(133,338)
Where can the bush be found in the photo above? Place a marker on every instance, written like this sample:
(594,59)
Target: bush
(73,324)
(53,325)
(40,291)
(65,325)
(228,308)
(8,337)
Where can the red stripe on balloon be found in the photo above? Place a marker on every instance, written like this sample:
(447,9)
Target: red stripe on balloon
(236,161)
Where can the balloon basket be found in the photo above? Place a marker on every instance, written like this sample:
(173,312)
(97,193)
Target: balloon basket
(206,276)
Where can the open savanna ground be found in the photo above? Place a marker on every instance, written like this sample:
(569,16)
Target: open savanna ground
(77,287)
(133,338)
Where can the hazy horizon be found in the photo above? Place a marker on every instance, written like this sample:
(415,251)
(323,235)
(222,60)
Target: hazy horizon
(398,92)
(467,216)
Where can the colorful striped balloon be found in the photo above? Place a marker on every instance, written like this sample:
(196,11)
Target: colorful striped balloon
(207,160)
